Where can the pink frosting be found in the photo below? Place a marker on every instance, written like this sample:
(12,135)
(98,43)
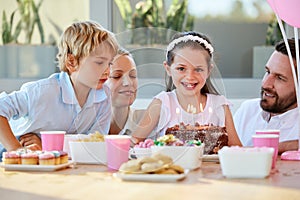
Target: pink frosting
(29,155)
(62,153)
(46,155)
(11,154)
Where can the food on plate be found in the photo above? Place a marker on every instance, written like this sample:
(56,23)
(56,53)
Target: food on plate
(166,160)
(46,158)
(11,157)
(63,157)
(131,166)
(156,164)
(151,167)
(214,137)
(29,158)
(93,137)
(145,144)
(56,157)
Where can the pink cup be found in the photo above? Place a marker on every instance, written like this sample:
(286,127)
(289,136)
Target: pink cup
(268,131)
(52,140)
(117,148)
(267,140)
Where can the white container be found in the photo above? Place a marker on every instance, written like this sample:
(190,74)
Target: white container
(139,152)
(188,157)
(88,152)
(246,162)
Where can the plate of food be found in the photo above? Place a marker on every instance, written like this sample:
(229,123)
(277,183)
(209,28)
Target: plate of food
(210,158)
(45,168)
(151,177)
(156,168)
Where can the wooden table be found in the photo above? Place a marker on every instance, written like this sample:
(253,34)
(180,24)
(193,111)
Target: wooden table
(96,182)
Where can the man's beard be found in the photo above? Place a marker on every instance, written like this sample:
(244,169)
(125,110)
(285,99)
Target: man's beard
(280,105)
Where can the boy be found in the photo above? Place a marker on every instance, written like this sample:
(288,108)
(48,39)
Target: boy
(74,100)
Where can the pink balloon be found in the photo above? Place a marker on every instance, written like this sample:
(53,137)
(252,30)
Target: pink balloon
(288,11)
(271,3)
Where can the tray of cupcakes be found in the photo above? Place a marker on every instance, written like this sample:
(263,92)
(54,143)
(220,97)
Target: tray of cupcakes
(27,160)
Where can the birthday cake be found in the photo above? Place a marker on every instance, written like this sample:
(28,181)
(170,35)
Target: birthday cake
(214,137)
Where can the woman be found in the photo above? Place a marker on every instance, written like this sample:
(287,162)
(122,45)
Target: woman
(123,84)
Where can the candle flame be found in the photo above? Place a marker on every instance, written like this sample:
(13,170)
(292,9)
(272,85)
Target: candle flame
(177,110)
(201,107)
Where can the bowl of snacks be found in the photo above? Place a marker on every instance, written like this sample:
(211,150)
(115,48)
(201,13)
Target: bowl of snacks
(246,162)
(142,149)
(88,149)
(187,154)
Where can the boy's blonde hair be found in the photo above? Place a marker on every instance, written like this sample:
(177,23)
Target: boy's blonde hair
(80,39)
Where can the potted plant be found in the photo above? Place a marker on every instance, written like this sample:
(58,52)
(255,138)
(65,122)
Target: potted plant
(150,23)
(261,54)
(149,26)
(24,59)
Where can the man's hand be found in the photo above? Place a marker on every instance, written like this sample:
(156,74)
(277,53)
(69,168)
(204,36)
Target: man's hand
(31,141)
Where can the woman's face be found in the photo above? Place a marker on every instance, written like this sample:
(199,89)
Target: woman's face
(123,81)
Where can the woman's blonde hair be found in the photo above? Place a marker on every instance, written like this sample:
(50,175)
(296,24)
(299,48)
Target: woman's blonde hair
(80,39)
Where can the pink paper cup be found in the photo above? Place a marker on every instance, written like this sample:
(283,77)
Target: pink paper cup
(268,131)
(52,140)
(117,149)
(267,140)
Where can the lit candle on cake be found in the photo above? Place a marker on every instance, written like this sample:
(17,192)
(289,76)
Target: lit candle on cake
(178,115)
(210,110)
(201,110)
(193,112)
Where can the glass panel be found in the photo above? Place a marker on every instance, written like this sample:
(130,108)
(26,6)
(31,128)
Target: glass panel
(234,26)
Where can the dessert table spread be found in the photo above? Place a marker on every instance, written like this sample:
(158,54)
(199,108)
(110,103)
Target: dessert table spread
(97,182)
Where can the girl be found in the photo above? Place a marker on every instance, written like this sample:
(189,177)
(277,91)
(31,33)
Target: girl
(189,91)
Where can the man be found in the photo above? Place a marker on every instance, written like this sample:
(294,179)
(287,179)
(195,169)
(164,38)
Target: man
(277,107)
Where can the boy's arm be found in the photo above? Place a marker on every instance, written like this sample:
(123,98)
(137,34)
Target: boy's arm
(7,138)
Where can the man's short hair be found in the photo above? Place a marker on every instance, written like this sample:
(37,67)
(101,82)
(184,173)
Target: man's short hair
(280,47)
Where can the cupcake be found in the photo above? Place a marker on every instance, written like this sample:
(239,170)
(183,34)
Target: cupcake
(63,157)
(29,158)
(46,158)
(11,157)
(57,157)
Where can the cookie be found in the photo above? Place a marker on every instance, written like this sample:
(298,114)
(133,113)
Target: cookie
(147,160)
(177,168)
(167,171)
(151,167)
(166,160)
(131,166)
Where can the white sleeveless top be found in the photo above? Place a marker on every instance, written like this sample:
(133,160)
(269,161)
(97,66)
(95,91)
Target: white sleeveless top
(213,113)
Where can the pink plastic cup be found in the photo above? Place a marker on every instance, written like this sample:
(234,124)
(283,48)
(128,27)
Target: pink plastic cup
(53,140)
(117,148)
(268,131)
(267,140)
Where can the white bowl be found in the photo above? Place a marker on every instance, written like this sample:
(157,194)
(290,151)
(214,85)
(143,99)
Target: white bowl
(88,152)
(246,162)
(188,157)
(140,152)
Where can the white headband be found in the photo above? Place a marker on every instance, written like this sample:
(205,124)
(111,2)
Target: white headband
(191,38)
